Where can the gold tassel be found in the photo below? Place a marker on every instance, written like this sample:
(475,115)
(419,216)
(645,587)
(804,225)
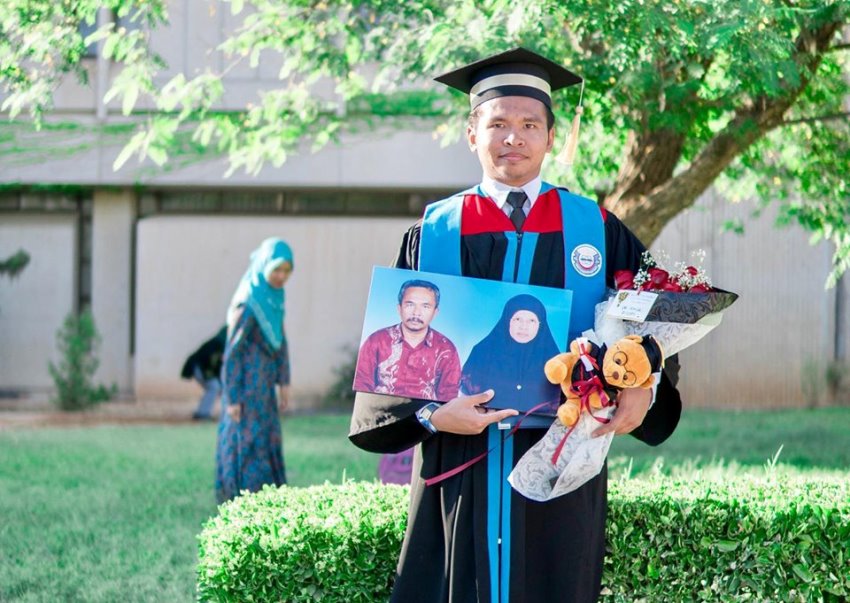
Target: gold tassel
(567,155)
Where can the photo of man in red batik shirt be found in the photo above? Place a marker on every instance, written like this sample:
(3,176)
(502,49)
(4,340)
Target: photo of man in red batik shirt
(410,359)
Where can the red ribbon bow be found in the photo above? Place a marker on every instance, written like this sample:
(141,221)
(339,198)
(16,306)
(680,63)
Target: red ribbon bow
(584,389)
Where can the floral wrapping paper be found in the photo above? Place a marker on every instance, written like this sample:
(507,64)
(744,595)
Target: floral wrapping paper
(581,459)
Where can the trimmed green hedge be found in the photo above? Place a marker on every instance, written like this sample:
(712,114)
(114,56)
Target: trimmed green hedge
(738,538)
(323,543)
(741,537)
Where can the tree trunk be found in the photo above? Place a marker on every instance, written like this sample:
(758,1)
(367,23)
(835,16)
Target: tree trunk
(650,160)
(647,195)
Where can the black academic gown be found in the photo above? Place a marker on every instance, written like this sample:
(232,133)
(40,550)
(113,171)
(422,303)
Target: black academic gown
(557,547)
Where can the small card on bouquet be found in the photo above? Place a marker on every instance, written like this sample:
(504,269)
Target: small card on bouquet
(629,304)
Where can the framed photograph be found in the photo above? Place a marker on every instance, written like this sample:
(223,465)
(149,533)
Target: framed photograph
(434,336)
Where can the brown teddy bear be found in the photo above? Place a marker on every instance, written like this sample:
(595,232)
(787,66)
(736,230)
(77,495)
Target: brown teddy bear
(595,373)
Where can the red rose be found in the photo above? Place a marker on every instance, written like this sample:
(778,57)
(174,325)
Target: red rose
(700,288)
(658,277)
(624,279)
(691,270)
(672,286)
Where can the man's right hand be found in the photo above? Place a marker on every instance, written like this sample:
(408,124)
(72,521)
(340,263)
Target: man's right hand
(467,415)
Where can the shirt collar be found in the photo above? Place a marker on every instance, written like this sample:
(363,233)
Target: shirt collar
(498,191)
(397,335)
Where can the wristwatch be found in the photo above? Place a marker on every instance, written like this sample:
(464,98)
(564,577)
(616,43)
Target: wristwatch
(424,416)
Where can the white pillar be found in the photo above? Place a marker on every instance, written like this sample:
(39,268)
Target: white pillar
(112,258)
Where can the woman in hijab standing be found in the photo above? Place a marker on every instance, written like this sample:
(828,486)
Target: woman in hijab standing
(510,359)
(256,359)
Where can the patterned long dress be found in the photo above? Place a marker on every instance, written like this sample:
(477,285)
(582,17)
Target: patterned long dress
(249,452)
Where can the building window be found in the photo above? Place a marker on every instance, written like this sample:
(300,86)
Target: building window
(308,202)
(129,22)
(61,200)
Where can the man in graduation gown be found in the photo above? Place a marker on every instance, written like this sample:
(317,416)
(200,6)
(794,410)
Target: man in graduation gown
(470,538)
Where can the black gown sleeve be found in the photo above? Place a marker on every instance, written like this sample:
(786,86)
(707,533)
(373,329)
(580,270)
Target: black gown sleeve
(408,254)
(661,420)
(623,248)
(381,423)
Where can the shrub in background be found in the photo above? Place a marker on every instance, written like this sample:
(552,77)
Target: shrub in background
(731,537)
(78,341)
(340,396)
(825,382)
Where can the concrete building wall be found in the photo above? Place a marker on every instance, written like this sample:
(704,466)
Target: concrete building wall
(784,320)
(188,268)
(33,305)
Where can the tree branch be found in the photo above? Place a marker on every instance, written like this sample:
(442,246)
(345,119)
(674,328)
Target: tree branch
(838,47)
(803,120)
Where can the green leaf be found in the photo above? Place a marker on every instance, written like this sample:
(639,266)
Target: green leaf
(131,93)
(129,149)
(726,546)
(802,573)
(158,155)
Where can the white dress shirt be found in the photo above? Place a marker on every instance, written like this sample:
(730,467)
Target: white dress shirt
(498,192)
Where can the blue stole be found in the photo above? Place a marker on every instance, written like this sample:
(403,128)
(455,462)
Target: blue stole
(584,275)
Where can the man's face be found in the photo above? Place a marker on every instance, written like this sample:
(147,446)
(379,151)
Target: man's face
(417,309)
(511,138)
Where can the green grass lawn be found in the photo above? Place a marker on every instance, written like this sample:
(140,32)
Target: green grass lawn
(112,513)
(809,439)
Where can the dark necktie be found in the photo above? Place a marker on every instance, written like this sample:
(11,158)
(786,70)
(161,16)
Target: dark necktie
(517,200)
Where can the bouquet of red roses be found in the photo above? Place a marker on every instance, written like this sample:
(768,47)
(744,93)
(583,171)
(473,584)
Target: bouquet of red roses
(678,307)
(683,306)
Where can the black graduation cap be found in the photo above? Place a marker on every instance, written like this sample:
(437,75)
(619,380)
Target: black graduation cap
(517,72)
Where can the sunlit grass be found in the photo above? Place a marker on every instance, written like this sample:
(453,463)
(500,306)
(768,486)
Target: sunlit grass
(112,513)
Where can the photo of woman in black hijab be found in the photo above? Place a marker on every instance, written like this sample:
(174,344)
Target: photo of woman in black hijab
(511,357)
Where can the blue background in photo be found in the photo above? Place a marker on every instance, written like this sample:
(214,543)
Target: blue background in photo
(469,307)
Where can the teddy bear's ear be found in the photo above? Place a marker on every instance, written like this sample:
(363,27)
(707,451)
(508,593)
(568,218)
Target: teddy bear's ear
(635,338)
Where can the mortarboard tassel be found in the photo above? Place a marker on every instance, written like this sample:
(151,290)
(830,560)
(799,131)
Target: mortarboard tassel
(567,155)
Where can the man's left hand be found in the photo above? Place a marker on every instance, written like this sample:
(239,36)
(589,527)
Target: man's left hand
(632,405)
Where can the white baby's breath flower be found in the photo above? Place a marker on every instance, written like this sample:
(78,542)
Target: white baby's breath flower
(646,260)
(680,272)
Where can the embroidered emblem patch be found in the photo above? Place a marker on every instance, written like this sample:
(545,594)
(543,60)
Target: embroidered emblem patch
(586,259)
